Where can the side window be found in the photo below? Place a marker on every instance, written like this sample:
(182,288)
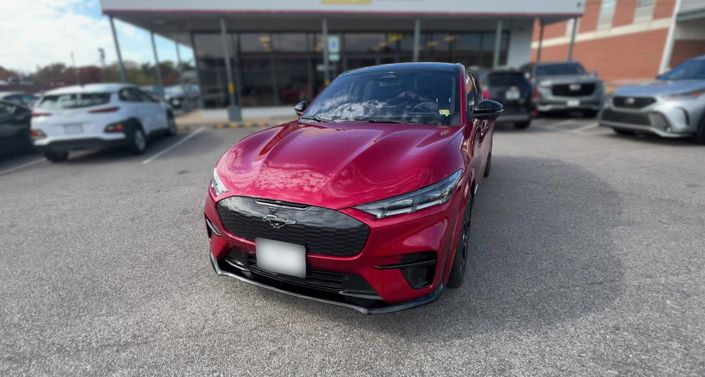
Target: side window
(146,97)
(129,95)
(6,109)
(472,91)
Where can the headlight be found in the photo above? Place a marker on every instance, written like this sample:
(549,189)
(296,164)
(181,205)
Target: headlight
(216,185)
(545,84)
(430,196)
(687,95)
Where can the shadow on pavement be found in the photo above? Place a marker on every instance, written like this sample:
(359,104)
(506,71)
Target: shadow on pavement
(542,255)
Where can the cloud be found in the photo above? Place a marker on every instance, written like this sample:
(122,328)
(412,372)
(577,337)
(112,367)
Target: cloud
(40,32)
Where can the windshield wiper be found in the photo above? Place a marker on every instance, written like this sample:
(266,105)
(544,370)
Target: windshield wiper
(372,120)
(316,118)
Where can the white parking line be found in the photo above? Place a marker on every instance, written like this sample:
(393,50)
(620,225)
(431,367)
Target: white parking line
(164,151)
(554,126)
(584,128)
(27,164)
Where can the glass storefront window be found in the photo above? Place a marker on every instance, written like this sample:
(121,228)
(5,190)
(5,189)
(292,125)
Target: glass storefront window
(283,68)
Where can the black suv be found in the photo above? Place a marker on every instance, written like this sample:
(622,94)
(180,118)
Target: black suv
(513,90)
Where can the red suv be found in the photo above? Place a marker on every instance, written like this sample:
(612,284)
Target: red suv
(364,201)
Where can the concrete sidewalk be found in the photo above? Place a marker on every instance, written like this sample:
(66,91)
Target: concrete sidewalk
(251,117)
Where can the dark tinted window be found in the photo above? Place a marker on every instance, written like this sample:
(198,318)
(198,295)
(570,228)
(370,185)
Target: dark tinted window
(130,95)
(560,69)
(690,70)
(6,108)
(421,97)
(506,79)
(73,100)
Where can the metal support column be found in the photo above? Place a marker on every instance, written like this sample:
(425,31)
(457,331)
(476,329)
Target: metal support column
(123,75)
(538,52)
(572,38)
(198,71)
(326,63)
(157,70)
(497,44)
(417,39)
(234,112)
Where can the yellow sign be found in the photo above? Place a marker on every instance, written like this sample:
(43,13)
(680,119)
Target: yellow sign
(347,2)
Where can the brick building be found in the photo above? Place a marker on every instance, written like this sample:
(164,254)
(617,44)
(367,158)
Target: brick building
(626,40)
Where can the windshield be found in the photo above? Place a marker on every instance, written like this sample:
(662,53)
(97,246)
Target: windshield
(560,69)
(690,70)
(419,97)
(73,100)
(506,79)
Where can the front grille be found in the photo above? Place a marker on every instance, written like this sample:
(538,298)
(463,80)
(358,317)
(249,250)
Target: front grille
(573,90)
(321,230)
(624,117)
(324,284)
(633,102)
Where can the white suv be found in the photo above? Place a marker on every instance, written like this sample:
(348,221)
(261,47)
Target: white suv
(97,116)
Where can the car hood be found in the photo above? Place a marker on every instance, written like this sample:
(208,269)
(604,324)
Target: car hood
(658,87)
(568,79)
(336,165)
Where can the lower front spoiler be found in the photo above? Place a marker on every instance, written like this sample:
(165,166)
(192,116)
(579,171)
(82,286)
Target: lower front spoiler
(364,310)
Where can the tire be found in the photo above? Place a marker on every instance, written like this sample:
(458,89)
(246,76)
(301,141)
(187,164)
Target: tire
(522,125)
(138,140)
(460,260)
(622,132)
(488,166)
(171,125)
(699,135)
(56,156)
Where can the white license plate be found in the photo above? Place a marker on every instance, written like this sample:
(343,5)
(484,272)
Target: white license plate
(512,94)
(72,129)
(281,257)
(573,103)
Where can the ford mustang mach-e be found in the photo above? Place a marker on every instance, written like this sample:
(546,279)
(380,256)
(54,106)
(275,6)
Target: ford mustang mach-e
(366,200)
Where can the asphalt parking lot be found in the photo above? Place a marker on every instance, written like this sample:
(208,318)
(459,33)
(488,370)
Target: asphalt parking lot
(588,259)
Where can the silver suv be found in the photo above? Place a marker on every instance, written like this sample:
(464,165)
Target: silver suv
(671,106)
(565,86)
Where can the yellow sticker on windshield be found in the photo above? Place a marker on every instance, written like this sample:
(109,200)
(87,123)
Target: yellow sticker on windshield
(444,112)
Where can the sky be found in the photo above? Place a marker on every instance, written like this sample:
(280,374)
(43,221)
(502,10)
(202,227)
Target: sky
(40,32)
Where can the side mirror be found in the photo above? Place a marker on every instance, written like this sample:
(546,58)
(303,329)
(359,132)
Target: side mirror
(301,107)
(488,110)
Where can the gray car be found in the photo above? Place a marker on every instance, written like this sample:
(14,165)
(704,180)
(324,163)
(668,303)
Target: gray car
(565,87)
(671,106)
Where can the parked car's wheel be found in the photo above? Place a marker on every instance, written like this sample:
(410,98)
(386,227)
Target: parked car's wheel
(138,140)
(620,131)
(488,166)
(460,260)
(56,156)
(522,125)
(171,125)
(699,135)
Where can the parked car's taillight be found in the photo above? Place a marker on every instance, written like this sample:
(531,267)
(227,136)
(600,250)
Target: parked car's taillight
(115,127)
(485,94)
(105,110)
(39,114)
(535,94)
(37,134)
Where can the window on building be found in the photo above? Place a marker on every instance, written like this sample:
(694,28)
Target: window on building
(604,20)
(644,10)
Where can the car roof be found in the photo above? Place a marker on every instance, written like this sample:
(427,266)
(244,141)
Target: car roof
(90,88)
(557,63)
(425,66)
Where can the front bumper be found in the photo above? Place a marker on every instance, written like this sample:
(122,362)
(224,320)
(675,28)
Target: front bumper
(246,275)
(671,119)
(399,252)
